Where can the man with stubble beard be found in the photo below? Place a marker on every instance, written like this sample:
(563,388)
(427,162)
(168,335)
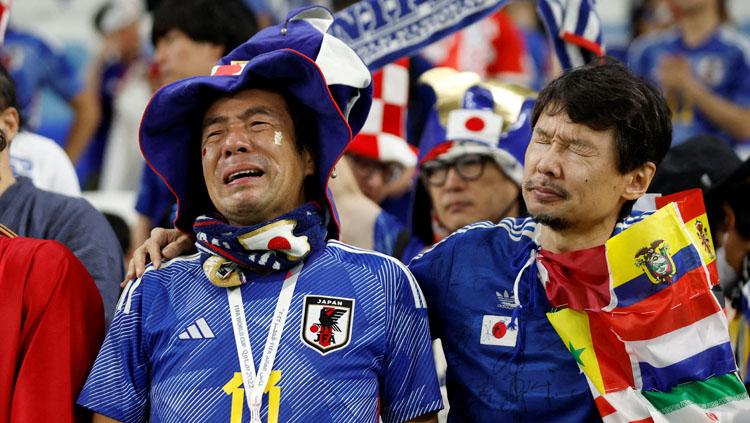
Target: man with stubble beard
(598,134)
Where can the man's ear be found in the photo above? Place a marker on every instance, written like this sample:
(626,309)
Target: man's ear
(9,122)
(638,181)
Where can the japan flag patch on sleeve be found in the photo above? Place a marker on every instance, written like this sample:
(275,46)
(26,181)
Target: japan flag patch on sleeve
(327,322)
(495,331)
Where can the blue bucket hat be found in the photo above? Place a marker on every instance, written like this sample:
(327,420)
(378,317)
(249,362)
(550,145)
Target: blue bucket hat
(311,67)
(461,114)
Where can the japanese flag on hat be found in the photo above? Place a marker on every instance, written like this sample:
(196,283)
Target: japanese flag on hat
(466,115)
(460,114)
(382,136)
(474,125)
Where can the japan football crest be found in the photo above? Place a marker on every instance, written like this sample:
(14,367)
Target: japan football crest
(327,322)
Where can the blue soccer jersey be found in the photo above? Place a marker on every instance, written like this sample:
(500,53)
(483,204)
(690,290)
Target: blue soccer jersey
(498,373)
(722,63)
(355,343)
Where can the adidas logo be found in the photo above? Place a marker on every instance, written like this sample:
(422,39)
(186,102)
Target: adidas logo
(505,300)
(198,330)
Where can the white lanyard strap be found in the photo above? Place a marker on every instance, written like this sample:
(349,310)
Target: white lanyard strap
(255,385)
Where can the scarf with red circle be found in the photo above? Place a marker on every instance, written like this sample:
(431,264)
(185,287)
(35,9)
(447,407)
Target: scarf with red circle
(268,247)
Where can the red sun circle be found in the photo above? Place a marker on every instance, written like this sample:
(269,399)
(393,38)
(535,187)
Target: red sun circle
(228,70)
(279,243)
(499,330)
(314,328)
(474,124)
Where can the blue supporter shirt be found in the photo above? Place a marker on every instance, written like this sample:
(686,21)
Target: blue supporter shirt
(722,63)
(495,373)
(171,356)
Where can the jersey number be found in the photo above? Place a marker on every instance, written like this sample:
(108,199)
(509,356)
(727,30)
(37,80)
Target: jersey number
(235,389)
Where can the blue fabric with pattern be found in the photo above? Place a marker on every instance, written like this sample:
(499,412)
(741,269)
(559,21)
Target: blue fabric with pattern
(159,362)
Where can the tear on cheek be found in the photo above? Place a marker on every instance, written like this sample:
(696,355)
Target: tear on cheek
(277,137)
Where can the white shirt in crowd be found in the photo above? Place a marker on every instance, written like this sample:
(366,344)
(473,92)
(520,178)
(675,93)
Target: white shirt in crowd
(44,162)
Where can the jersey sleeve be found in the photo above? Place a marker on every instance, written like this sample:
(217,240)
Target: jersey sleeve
(117,386)
(409,386)
(431,272)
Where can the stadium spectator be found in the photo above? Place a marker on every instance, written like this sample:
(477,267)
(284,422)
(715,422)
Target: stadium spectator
(34,213)
(597,134)
(119,74)
(703,67)
(348,339)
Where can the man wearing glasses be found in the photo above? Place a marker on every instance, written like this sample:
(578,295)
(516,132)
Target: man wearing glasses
(471,156)
(374,176)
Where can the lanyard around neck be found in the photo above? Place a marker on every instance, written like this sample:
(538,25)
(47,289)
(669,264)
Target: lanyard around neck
(255,383)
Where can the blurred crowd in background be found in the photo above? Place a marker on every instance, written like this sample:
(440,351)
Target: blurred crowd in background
(84,71)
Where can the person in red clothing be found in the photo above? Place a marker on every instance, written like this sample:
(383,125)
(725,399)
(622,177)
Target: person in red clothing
(493,48)
(53,326)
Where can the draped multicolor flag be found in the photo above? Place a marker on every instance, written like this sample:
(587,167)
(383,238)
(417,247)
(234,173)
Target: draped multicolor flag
(740,330)
(648,333)
(381,31)
(693,213)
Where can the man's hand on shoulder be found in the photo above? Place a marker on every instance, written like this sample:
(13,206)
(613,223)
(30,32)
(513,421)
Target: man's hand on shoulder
(163,244)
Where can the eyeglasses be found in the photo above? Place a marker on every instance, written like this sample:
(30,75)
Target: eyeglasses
(367,168)
(469,167)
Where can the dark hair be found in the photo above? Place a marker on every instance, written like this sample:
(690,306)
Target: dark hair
(604,95)
(8,95)
(723,12)
(227,23)
(740,204)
